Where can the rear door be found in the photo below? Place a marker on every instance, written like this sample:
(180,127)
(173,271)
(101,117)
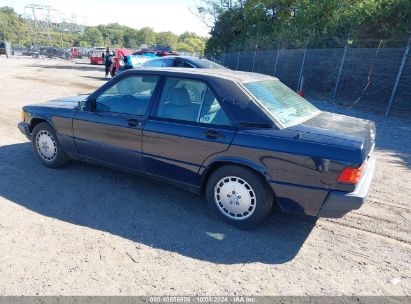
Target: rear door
(111,130)
(188,126)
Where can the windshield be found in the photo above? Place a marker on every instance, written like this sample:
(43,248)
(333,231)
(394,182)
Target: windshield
(286,106)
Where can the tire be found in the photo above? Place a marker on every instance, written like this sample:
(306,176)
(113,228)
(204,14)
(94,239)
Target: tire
(239,196)
(47,147)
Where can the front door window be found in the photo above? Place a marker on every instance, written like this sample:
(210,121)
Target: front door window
(130,95)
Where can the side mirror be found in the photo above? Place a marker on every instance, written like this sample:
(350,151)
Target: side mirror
(86,105)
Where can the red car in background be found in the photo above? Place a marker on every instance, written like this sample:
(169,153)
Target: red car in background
(157,53)
(75,52)
(119,54)
(96,55)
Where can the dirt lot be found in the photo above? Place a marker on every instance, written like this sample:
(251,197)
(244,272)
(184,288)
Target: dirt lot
(89,230)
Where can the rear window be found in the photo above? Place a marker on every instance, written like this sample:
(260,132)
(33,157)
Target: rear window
(286,106)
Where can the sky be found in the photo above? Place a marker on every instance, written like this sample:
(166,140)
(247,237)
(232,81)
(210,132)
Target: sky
(161,15)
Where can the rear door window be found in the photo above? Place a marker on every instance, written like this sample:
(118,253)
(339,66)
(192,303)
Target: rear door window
(191,101)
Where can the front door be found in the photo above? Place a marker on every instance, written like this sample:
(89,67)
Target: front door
(188,127)
(110,130)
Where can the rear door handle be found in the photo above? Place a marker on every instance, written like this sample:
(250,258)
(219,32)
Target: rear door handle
(212,134)
(134,122)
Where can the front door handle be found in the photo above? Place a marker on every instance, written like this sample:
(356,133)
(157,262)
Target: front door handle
(134,122)
(213,134)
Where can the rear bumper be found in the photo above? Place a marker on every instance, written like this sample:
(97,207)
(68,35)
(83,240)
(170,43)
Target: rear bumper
(338,203)
(24,129)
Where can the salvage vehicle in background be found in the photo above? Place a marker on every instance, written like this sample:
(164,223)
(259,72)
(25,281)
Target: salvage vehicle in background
(118,59)
(245,140)
(54,52)
(33,52)
(5,48)
(131,61)
(135,60)
(79,52)
(75,52)
(48,52)
(182,62)
(156,51)
(96,55)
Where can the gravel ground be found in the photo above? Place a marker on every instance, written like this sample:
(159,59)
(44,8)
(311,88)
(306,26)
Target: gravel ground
(89,230)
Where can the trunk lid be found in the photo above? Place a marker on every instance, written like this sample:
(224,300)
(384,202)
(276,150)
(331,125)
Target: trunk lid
(341,128)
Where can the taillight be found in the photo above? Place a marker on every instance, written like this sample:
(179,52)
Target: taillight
(351,175)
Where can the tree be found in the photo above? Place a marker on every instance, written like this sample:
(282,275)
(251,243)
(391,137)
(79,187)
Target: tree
(131,38)
(250,23)
(12,26)
(167,39)
(192,45)
(146,35)
(92,36)
(186,35)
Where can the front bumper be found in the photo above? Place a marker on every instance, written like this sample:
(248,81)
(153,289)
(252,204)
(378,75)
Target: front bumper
(338,203)
(24,128)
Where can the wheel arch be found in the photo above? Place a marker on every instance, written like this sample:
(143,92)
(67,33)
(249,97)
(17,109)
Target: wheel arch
(37,120)
(218,163)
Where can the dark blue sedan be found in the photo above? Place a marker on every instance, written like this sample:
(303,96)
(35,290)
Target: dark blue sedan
(245,140)
(181,62)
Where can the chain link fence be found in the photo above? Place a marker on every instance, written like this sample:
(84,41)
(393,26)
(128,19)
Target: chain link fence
(372,75)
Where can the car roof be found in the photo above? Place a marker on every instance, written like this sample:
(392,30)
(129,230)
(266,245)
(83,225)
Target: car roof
(236,76)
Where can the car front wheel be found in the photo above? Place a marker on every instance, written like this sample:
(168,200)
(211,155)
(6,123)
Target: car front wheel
(239,196)
(46,146)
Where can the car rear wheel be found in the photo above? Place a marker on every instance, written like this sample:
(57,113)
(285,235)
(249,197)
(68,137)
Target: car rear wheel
(239,196)
(46,146)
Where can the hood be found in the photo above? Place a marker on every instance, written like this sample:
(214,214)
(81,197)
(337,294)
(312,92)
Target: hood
(339,129)
(64,103)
